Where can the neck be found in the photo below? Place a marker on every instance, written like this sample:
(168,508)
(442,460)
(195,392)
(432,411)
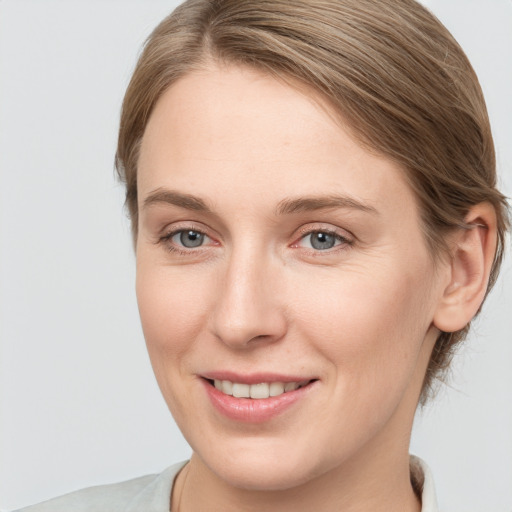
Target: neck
(379,484)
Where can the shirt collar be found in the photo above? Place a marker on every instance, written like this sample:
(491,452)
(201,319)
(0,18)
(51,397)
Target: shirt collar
(424,482)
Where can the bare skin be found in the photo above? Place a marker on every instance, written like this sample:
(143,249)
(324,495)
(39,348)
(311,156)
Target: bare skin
(270,241)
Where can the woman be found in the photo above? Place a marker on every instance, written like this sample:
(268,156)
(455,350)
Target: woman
(316,222)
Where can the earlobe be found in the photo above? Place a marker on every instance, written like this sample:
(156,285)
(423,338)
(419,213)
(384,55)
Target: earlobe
(470,266)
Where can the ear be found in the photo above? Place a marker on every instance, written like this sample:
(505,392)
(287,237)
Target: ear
(471,261)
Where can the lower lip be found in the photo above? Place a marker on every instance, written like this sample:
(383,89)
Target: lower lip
(252,410)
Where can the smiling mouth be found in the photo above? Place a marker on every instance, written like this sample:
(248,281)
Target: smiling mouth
(258,391)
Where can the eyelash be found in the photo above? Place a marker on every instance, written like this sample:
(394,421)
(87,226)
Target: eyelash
(166,240)
(343,244)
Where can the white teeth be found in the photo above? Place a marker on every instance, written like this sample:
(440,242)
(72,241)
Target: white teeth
(241,390)
(260,390)
(256,391)
(227,387)
(276,389)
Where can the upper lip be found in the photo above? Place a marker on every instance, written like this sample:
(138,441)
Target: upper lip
(254,377)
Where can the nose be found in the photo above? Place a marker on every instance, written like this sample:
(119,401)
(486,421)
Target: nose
(247,310)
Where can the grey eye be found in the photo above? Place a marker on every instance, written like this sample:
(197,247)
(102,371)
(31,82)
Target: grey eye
(188,238)
(322,241)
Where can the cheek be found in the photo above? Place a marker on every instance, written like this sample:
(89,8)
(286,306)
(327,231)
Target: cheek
(369,325)
(370,331)
(172,313)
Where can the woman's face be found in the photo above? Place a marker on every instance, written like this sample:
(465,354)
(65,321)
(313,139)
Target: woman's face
(274,251)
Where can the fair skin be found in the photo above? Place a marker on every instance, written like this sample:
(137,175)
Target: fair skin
(272,246)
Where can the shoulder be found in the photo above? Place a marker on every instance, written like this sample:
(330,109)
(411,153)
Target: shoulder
(150,493)
(112,497)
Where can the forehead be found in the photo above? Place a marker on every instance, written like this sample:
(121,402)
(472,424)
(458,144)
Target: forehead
(224,129)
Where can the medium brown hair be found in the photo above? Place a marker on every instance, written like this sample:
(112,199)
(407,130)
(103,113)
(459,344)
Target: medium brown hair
(389,68)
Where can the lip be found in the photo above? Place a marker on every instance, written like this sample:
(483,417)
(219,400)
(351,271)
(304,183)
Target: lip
(255,378)
(247,410)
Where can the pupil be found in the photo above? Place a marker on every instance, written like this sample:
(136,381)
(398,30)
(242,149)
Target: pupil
(191,238)
(322,241)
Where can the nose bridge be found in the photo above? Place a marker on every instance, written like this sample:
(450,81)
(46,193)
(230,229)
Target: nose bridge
(247,308)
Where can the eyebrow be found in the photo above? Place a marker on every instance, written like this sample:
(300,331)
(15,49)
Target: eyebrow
(285,207)
(313,203)
(186,201)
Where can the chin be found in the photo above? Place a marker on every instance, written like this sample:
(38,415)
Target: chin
(261,465)
(261,475)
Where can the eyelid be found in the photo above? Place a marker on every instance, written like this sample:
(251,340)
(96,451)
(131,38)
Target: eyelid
(308,229)
(165,237)
(344,241)
(171,229)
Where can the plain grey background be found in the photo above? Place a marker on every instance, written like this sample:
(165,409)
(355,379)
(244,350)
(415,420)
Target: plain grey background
(78,402)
